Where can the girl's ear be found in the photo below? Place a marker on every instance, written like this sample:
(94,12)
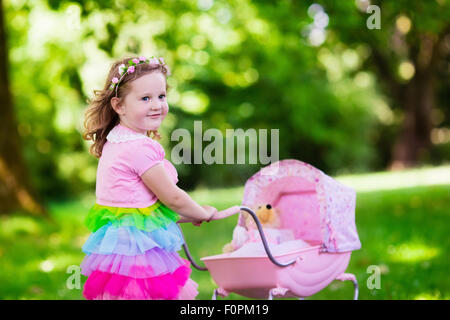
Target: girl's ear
(117,105)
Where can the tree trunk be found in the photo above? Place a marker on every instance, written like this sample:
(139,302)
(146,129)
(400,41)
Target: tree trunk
(414,138)
(417,102)
(16,193)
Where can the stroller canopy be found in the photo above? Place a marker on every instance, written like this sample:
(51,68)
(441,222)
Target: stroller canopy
(317,208)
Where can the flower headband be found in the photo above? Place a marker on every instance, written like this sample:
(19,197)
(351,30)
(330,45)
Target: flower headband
(124,70)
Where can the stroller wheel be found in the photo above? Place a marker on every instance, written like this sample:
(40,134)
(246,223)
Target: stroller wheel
(220,292)
(350,277)
(276,291)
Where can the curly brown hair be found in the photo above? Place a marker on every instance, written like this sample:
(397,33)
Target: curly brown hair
(100,117)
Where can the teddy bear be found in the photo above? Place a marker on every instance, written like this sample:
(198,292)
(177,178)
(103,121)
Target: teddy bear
(270,220)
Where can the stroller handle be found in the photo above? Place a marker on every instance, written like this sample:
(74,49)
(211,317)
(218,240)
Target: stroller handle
(227,213)
(264,240)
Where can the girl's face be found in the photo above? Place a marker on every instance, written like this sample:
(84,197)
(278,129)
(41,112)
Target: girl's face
(145,106)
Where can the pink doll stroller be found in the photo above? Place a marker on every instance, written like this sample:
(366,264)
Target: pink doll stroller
(319,212)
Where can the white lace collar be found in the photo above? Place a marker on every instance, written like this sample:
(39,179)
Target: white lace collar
(121,133)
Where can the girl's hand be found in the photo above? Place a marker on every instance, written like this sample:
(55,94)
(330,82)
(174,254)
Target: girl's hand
(211,210)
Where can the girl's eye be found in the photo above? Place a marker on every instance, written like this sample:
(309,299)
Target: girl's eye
(146,98)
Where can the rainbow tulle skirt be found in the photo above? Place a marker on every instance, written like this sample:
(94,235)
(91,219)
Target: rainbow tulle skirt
(132,255)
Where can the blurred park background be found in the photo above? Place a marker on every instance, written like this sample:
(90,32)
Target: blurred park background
(368,106)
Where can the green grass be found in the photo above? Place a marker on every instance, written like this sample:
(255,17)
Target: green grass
(404,232)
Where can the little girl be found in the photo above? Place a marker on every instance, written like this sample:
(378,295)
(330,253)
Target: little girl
(132,252)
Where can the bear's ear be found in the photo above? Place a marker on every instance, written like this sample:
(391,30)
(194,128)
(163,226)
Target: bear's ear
(268,206)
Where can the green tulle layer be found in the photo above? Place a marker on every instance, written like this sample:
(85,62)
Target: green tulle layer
(150,218)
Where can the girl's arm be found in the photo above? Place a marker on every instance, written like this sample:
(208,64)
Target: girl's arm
(158,181)
(186,219)
(196,222)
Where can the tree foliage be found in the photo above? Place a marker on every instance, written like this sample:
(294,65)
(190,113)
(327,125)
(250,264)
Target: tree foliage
(235,64)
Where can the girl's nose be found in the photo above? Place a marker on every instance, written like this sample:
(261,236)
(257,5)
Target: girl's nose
(155,106)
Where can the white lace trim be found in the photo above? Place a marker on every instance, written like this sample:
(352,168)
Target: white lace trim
(116,135)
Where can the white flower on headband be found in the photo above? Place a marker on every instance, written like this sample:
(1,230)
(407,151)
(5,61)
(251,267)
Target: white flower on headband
(154,61)
(122,67)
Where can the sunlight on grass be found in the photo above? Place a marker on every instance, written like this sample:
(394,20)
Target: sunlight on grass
(36,265)
(18,224)
(428,296)
(46,266)
(53,263)
(61,262)
(412,252)
(398,179)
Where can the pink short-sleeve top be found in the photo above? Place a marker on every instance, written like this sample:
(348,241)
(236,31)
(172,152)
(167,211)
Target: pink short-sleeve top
(126,156)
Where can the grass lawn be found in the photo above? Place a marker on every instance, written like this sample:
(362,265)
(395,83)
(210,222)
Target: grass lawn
(403,231)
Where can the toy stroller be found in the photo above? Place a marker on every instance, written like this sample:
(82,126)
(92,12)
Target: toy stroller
(318,209)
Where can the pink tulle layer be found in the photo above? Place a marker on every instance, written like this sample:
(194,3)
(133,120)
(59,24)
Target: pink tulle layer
(151,264)
(188,292)
(101,285)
